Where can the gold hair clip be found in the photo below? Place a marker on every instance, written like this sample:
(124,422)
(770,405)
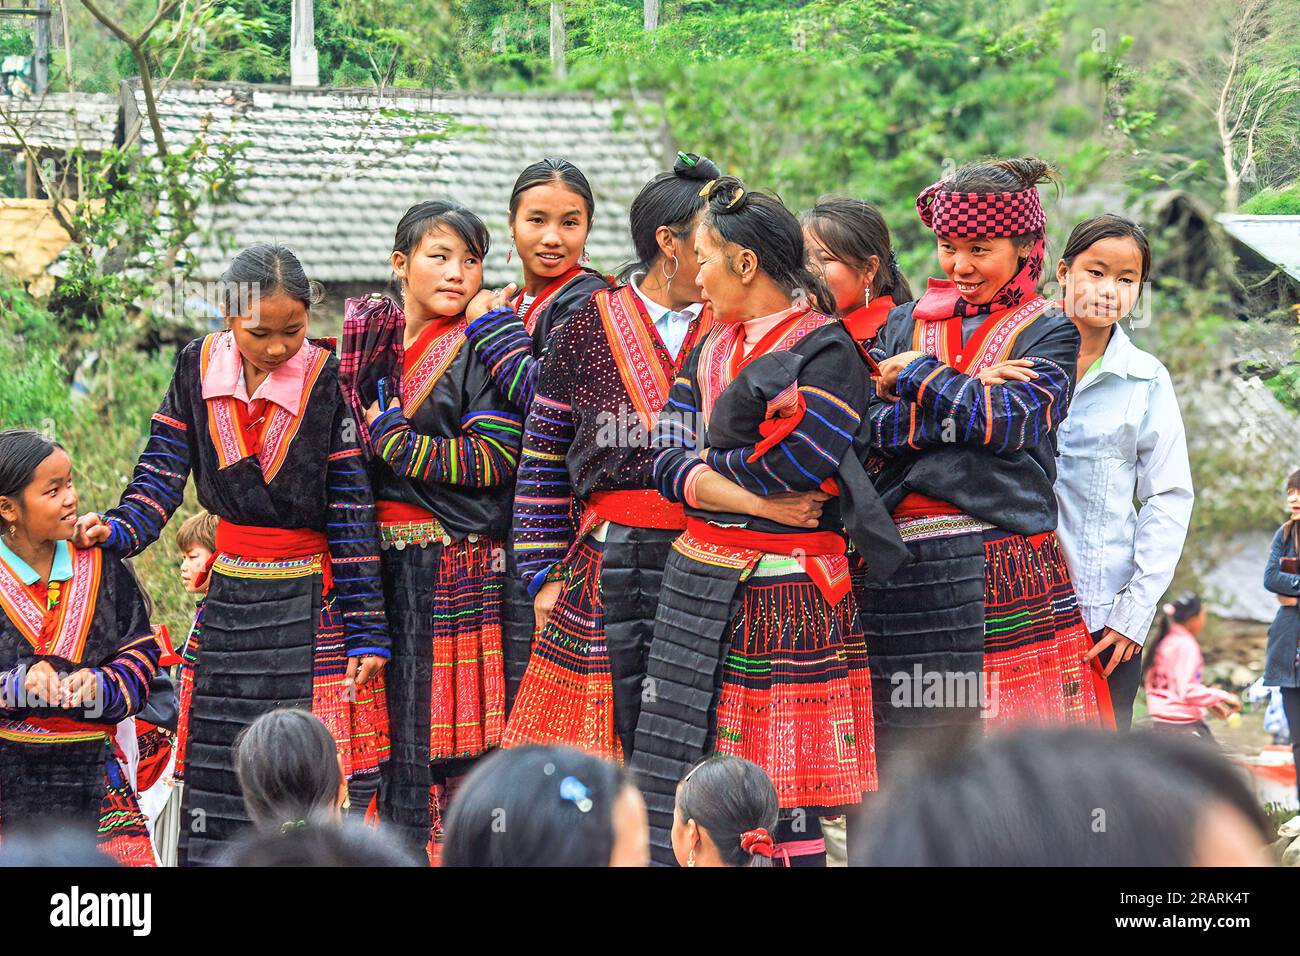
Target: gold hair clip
(707,189)
(736,198)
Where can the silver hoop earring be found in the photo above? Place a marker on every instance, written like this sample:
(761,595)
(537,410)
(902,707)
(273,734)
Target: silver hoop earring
(676,265)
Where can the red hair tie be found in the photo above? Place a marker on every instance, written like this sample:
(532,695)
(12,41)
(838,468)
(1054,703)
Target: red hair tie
(757,843)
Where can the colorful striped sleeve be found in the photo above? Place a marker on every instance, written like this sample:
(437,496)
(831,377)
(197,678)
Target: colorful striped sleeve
(126,675)
(157,486)
(939,405)
(675,440)
(804,458)
(506,349)
(486,453)
(354,541)
(543,524)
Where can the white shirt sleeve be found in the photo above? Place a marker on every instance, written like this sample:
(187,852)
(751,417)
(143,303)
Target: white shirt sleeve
(1164,491)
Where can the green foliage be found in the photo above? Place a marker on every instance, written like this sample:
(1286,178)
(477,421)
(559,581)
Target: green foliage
(123,244)
(102,427)
(15,41)
(384,43)
(1274,202)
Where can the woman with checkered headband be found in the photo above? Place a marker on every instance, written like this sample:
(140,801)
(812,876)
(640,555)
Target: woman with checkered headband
(974,379)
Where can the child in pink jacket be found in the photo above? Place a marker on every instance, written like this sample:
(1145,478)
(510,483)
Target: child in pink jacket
(1176,699)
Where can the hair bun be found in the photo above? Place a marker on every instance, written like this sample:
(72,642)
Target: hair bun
(696,167)
(726,195)
(757,842)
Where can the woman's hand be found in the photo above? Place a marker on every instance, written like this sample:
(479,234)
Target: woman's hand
(91,529)
(374,411)
(802,509)
(80,688)
(362,669)
(890,369)
(487,300)
(1012,370)
(1124,649)
(1287,601)
(42,685)
(544,603)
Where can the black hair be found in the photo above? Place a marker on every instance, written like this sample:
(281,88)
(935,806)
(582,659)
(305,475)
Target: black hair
(853,231)
(422,218)
(265,269)
(1107,226)
(760,222)
(1057,797)
(21,453)
(288,770)
(1292,482)
(670,199)
(1005,175)
(1185,607)
(525,807)
(553,170)
(728,796)
(341,845)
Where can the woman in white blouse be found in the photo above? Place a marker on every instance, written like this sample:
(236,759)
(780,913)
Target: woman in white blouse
(1123,438)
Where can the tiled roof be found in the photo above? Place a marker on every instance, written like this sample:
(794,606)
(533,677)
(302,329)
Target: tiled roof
(329,172)
(1276,238)
(60,121)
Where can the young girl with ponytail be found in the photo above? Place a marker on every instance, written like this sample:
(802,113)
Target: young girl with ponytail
(1177,701)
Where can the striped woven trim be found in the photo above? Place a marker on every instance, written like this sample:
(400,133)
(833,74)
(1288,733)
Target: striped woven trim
(234,567)
(22,732)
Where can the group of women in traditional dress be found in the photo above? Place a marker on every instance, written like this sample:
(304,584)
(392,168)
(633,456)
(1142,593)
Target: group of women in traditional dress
(750,499)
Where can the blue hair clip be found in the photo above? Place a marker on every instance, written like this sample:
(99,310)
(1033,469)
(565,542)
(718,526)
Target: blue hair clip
(571,788)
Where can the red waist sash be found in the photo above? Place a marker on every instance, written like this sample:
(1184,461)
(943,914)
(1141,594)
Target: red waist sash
(816,551)
(275,544)
(811,543)
(917,505)
(399,512)
(638,509)
(51,729)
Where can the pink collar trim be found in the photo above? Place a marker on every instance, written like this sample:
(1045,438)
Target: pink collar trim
(755,329)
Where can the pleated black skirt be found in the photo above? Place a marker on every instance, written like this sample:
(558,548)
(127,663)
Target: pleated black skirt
(257,655)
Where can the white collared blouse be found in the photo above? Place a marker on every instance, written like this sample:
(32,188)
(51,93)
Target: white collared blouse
(1123,439)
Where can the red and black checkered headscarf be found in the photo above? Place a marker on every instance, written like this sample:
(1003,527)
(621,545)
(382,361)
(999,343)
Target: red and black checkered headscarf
(962,215)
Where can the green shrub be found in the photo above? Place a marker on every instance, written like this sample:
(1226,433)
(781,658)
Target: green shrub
(1274,202)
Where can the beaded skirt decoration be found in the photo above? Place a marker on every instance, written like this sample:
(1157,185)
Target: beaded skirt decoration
(796,689)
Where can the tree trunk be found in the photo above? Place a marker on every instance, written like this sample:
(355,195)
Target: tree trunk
(1231,180)
(557,39)
(651,15)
